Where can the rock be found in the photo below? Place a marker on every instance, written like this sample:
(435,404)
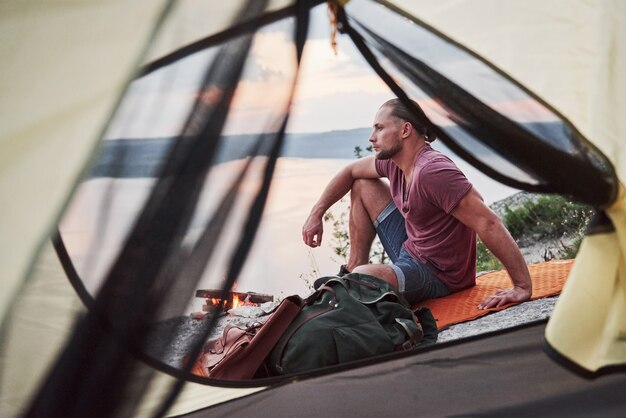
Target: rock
(513,202)
(250,311)
(507,318)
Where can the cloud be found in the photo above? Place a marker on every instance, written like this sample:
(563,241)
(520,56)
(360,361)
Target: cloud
(323,73)
(334,91)
(262,94)
(272,57)
(344,111)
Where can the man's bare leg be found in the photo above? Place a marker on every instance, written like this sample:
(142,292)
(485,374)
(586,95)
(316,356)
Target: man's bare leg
(368,198)
(382,271)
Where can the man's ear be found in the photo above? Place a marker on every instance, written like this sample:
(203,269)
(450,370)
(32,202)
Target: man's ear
(407,128)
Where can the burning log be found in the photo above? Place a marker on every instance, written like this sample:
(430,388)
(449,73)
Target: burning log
(234,299)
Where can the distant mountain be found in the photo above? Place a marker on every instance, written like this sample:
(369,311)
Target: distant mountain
(143,157)
(140,157)
(333,144)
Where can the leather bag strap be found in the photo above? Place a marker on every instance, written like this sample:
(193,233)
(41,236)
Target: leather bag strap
(244,363)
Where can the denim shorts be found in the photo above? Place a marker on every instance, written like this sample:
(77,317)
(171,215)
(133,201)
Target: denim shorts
(415,281)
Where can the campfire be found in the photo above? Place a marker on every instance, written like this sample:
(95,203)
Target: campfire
(235,299)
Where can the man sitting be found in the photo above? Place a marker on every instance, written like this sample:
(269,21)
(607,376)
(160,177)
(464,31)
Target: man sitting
(427,218)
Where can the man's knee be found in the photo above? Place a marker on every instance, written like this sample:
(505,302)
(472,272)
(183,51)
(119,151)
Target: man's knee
(382,271)
(373,194)
(362,187)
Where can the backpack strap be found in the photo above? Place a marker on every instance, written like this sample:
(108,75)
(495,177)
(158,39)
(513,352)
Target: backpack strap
(429,325)
(361,282)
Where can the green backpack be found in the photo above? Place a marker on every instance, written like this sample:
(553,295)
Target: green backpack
(350,318)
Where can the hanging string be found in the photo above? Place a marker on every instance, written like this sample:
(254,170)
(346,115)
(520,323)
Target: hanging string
(333,10)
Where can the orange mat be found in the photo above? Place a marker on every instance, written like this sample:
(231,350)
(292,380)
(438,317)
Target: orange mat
(548,280)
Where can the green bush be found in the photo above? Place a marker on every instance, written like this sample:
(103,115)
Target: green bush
(571,250)
(341,240)
(549,216)
(485,260)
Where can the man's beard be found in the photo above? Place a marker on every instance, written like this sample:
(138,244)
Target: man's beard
(389,153)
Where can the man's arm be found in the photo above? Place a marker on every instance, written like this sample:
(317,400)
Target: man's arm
(340,185)
(473,212)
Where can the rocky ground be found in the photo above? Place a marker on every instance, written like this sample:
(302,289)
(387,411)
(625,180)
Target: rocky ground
(510,317)
(185,328)
(534,249)
(172,340)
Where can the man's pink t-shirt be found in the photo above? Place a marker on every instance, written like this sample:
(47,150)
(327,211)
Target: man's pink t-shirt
(435,237)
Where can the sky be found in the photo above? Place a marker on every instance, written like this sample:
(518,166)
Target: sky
(335,89)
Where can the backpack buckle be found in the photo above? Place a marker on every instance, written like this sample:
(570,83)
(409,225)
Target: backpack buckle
(407,345)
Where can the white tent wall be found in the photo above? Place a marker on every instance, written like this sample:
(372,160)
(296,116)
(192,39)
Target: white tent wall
(42,320)
(191,20)
(64,65)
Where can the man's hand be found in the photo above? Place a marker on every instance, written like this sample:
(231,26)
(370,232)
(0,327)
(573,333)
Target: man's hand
(312,231)
(502,297)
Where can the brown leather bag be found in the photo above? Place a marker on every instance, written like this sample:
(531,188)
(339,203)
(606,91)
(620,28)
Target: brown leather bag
(239,353)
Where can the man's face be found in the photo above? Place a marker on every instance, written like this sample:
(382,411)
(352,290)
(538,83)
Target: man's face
(385,138)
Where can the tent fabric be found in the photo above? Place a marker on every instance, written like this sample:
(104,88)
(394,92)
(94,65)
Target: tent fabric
(190,21)
(64,68)
(478,112)
(506,374)
(44,315)
(597,283)
(48,142)
(572,54)
(157,268)
(569,53)
(54,117)
(53,111)
(548,280)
